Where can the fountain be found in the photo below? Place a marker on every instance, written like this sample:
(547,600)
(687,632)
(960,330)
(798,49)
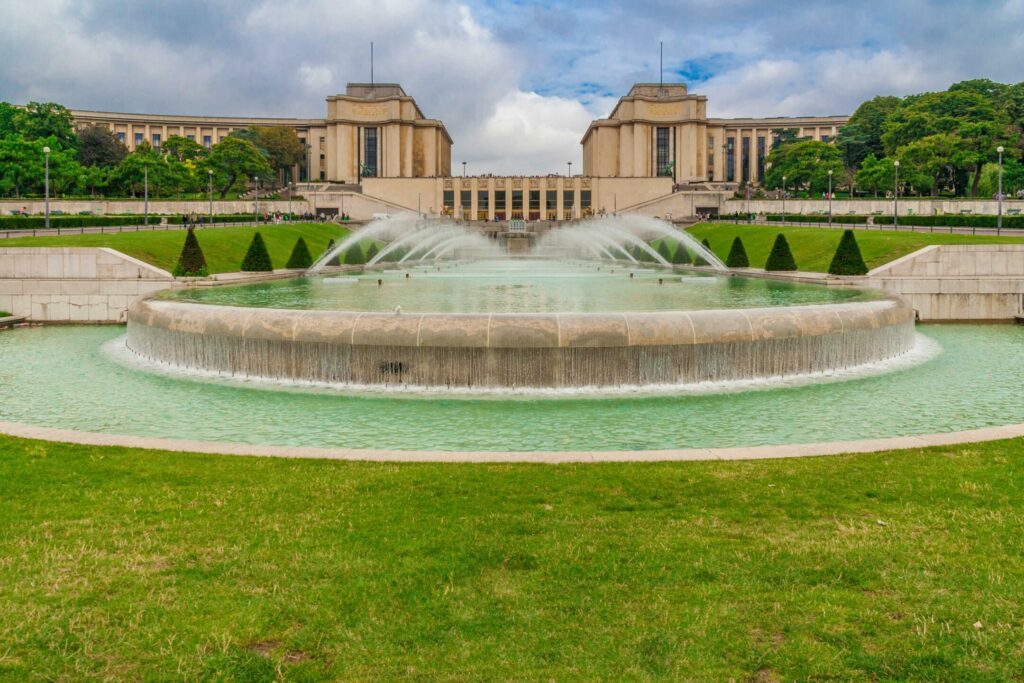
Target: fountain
(535,322)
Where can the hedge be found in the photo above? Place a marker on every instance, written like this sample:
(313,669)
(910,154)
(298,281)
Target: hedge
(952,220)
(844,219)
(61,221)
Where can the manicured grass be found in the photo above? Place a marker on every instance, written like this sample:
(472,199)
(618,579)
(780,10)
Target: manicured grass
(120,564)
(224,248)
(4,314)
(814,248)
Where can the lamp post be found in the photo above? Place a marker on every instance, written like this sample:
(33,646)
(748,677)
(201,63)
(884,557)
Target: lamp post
(463,169)
(256,209)
(289,200)
(46,184)
(830,197)
(783,200)
(209,172)
(896,195)
(145,193)
(999,220)
(569,164)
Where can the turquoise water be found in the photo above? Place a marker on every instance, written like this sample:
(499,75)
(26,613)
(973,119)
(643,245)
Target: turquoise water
(68,378)
(517,286)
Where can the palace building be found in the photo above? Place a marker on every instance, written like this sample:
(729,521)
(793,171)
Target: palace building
(375,142)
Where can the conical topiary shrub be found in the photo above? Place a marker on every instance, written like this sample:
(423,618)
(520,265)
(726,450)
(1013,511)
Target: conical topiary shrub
(663,251)
(191,262)
(699,260)
(848,260)
(354,256)
(257,259)
(737,255)
(681,256)
(780,258)
(371,252)
(336,261)
(300,257)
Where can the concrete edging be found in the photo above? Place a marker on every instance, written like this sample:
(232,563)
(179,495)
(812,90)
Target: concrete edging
(544,457)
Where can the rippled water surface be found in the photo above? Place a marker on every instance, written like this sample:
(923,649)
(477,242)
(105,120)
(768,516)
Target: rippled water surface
(68,377)
(519,285)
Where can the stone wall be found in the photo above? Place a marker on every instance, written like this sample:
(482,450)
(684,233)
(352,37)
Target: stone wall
(103,207)
(75,284)
(958,281)
(866,207)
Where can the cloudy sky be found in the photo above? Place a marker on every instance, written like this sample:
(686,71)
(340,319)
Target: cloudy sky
(515,81)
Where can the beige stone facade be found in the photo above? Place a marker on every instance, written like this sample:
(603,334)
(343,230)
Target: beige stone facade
(663,130)
(657,140)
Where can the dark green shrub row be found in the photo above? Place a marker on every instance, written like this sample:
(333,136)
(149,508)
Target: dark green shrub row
(33,222)
(844,219)
(955,221)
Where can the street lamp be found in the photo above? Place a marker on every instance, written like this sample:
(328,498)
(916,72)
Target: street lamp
(145,193)
(830,197)
(46,162)
(999,220)
(256,208)
(896,195)
(463,169)
(569,164)
(209,172)
(289,200)
(783,200)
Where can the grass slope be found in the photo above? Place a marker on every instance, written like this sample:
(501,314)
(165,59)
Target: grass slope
(813,248)
(123,564)
(224,248)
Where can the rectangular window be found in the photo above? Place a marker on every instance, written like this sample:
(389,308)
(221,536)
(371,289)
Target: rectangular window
(483,201)
(466,201)
(120,138)
(156,140)
(585,200)
(191,137)
(551,205)
(517,204)
(499,200)
(534,205)
(826,138)
(207,141)
(448,203)
(664,167)
(369,152)
(745,160)
(139,137)
(568,199)
(730,160)
(761,148)
(711,157)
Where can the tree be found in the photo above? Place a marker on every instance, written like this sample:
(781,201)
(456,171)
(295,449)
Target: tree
(282,146)
(784,136)
(862,135)
(183,149)
(876,174)
(1013,178)
(663,251)
(681,256)
(848,259)
(97,146)
(300,257)
(235,158)
(354,256)
(21,165)
(191,262)
(257,258)
(165,175)
(780,257)
(737,255)
(40,120)
(805,164)
(931,156)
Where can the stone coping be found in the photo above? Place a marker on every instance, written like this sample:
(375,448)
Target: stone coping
(521,330)
(544,457)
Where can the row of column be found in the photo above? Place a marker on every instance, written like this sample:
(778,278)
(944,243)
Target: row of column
(580,205)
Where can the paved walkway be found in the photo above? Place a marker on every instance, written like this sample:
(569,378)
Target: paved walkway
(550,457)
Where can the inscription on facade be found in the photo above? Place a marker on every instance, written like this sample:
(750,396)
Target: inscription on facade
(370,111)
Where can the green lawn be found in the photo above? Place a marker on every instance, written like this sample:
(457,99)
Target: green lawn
(224,248)
(813,248)
(119,564)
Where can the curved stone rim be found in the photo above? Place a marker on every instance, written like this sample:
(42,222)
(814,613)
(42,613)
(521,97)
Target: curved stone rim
(827,448)
(522,330)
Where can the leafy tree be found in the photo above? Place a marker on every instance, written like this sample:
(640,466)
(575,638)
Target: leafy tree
(931,156)
(354,256)
(98,146)
(862,135)
(183,149)
(737,255)
(848,259)
(21,165)
(166,175)
(300,257)
(780,257)
(805,164)
(39,120)
(191,262)
(235,158)
(876,174)
(257,258)
(1013,178)
(282,146)
(784,136)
